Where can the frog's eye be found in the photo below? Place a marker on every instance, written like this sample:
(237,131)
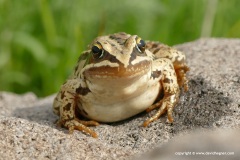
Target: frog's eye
(97,51)
(140,44)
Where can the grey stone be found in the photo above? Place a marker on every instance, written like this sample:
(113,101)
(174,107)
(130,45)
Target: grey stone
(220,144)
(28,130)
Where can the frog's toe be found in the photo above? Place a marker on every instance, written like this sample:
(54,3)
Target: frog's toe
(185,85)
(161,110)
(76,124)
(152,107)
(88,123)
(164,105)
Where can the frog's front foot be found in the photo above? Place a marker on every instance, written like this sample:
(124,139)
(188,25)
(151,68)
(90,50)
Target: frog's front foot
(166,104)
(79,125)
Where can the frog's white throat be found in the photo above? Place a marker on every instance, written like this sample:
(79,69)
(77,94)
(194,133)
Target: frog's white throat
(117,99)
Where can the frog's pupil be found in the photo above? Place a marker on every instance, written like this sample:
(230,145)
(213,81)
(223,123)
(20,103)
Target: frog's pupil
(95,49)
(141,45)
(97,52)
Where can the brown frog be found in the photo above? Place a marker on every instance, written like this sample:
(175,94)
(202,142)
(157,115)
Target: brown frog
(119,76)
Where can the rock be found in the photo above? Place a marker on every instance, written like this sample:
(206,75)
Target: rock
(27,128)
(220,144)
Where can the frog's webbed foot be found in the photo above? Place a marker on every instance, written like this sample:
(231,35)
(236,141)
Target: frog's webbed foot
(76,124)
(166,104)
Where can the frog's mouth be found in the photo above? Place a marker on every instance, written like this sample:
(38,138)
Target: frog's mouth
(118,70)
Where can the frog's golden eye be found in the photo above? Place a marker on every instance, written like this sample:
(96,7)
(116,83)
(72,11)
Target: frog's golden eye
(97,51)
(140,44)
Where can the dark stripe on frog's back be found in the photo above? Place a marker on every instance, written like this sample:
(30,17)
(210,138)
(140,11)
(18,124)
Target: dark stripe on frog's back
(120,38)
(154,47)
(158,48)
(161,50)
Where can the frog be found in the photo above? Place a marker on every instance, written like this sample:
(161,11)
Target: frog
(119,76)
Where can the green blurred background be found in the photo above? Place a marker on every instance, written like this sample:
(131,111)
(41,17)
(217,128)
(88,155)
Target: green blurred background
(40,40)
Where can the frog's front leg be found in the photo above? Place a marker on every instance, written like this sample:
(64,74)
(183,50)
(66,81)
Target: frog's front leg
(170,89)
(178,59)
(65,105)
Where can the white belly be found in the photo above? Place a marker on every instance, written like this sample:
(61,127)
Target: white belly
(111,109)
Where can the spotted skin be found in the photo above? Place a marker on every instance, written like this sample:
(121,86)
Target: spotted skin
(177,58)
(65,105)
(171,92)
(120,78)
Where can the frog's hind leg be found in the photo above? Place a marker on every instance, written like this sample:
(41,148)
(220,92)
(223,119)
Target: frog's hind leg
(181,75)
(170,89)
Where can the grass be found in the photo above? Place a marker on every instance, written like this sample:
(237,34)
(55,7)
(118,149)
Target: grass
(41,40)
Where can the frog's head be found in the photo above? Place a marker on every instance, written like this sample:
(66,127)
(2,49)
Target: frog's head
(118,55)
